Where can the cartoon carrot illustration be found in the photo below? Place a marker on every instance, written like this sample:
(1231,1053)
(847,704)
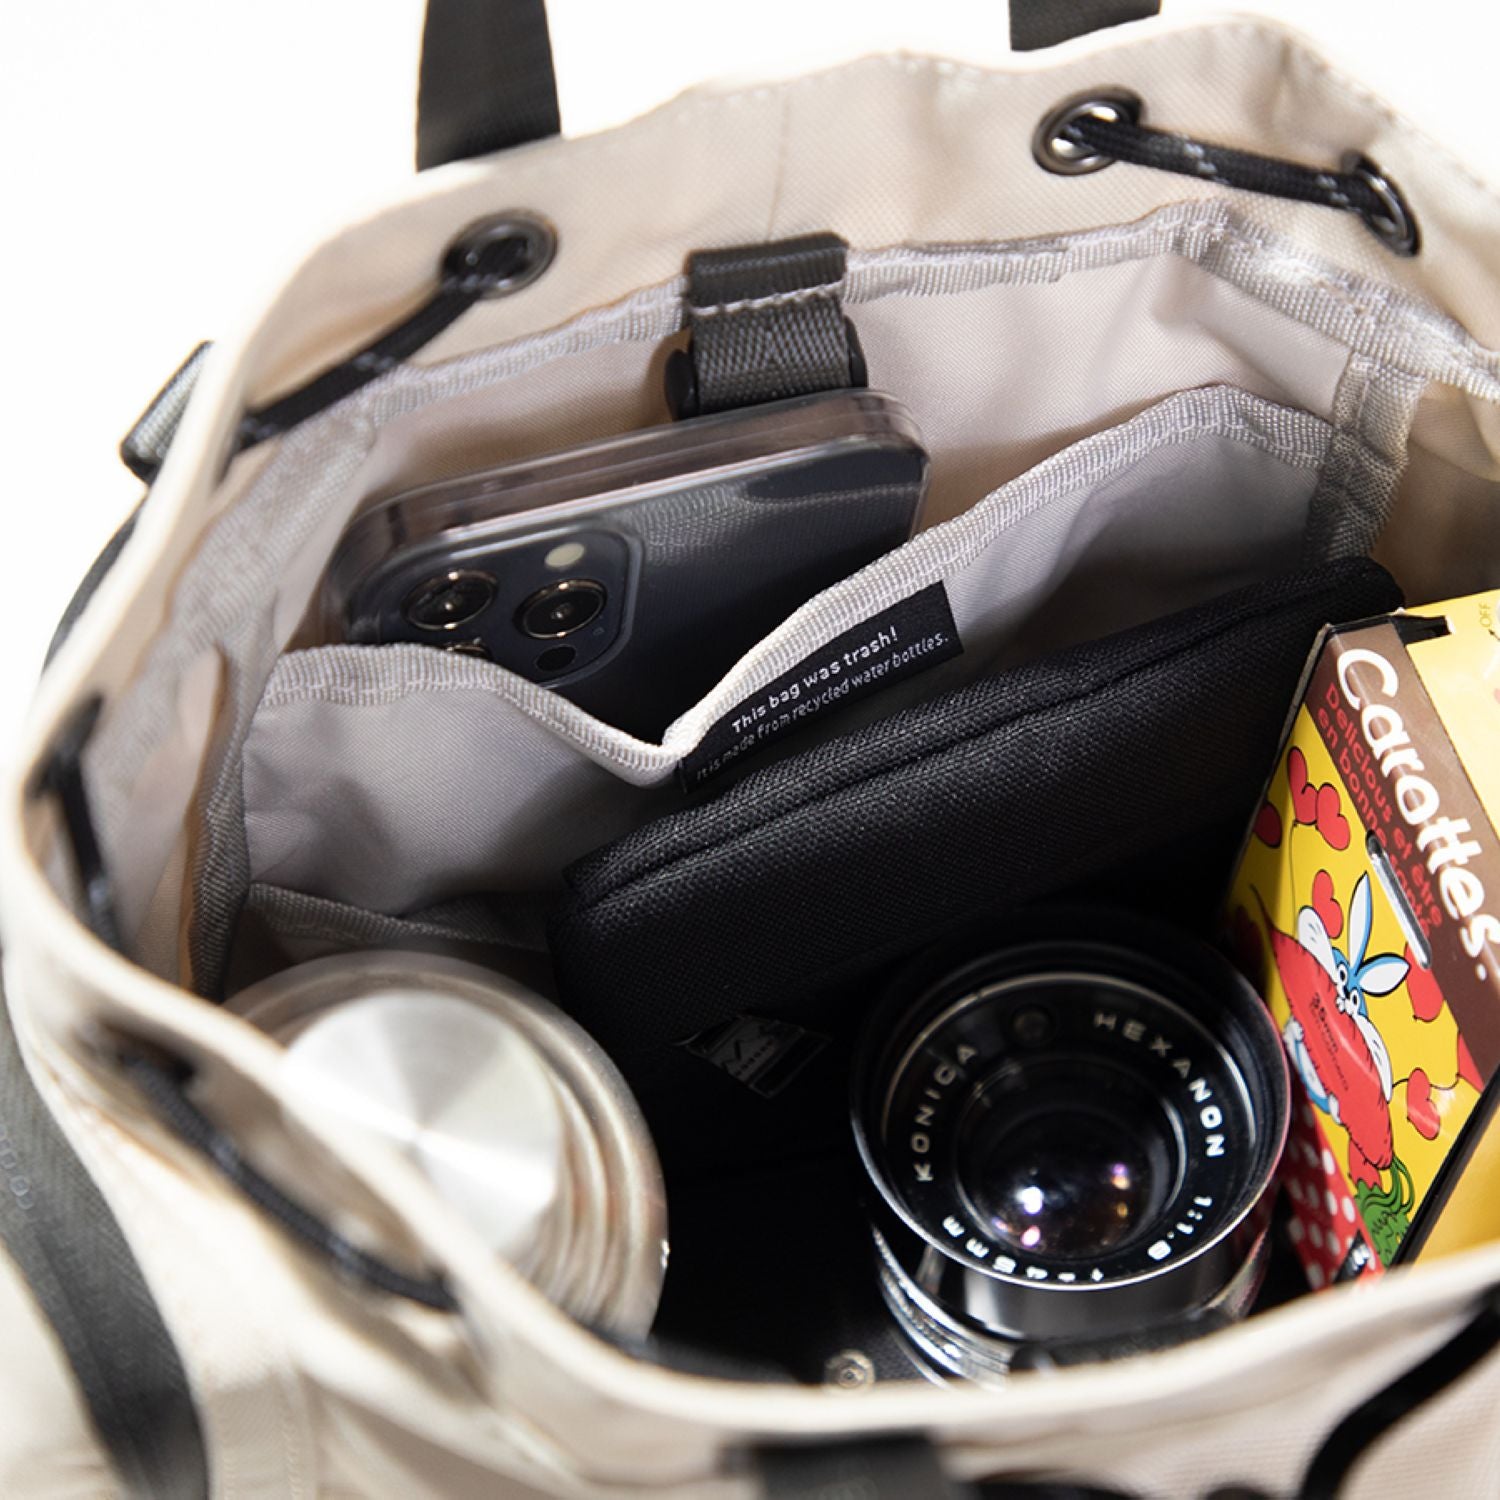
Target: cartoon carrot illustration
(1330,1037)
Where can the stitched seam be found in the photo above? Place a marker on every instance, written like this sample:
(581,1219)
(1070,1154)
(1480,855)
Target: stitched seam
(290,922)
(826,292)
(1382,306)
(1217,225)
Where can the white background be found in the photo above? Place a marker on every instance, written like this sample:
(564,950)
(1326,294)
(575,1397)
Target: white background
(166,159)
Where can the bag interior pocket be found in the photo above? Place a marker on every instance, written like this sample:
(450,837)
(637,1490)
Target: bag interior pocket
(390,778)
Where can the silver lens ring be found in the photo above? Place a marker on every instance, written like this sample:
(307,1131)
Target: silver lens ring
(1070,1141)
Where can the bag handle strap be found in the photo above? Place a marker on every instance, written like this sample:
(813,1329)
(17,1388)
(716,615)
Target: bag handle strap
(899,1468)
(487,81)
(69,1248)
(1045,23)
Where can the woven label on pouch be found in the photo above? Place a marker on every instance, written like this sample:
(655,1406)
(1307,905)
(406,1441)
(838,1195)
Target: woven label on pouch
(899,642)
(762,1053)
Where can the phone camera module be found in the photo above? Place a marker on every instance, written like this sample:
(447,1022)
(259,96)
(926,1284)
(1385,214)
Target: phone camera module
(449,600)
(561,608)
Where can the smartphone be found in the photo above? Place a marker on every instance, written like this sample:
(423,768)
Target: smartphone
(630,574)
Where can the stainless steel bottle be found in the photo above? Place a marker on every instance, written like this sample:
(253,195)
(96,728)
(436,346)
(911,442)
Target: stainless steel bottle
(518,1118)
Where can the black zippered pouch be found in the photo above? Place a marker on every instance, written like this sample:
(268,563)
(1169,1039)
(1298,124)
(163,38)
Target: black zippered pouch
(1127,766)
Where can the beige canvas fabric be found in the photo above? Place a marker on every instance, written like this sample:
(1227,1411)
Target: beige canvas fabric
(965,258)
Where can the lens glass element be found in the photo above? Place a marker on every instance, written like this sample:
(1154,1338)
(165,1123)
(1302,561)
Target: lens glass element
(1063,1177)
(561,608)
(449,600)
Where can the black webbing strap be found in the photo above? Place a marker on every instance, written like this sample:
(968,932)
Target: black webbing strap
(64,1240)
(89,585)
(767,323)
(486,79)
(1044,23)
(143,449)
(904,1468)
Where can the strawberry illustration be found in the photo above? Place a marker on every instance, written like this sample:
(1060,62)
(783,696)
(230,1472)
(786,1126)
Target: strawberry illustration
(1421,1108)
(1422,987)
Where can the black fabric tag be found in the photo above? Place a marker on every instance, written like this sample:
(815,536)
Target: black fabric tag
(762,1053)
(897,643)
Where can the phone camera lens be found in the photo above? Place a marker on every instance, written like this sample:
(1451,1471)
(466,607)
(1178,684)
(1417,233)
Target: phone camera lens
(449,600)
(561,608)
(556,659)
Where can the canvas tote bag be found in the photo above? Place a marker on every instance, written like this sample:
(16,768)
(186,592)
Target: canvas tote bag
(1266,257)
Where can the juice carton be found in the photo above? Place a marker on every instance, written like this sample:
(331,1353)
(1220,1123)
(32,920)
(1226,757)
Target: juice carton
(1366,908)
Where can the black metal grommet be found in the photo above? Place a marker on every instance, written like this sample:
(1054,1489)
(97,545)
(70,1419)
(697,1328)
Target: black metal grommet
(500,255)
(1396,226)
(1053,149)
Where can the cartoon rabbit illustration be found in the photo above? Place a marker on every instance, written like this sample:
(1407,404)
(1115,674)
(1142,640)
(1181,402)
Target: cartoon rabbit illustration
(1330,1037)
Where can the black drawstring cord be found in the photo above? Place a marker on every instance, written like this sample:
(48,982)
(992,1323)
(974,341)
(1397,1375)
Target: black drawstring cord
(163,1082)
(1242,169)
(493,258)
(1090,131)
(165,1086)
(1373,1419)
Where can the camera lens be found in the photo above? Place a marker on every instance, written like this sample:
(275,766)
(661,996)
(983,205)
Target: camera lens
(561,608)
(1070,1140)
(449,600)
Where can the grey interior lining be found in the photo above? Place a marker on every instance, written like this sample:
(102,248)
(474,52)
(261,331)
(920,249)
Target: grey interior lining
(245,590)
(392,777)
(278,928)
